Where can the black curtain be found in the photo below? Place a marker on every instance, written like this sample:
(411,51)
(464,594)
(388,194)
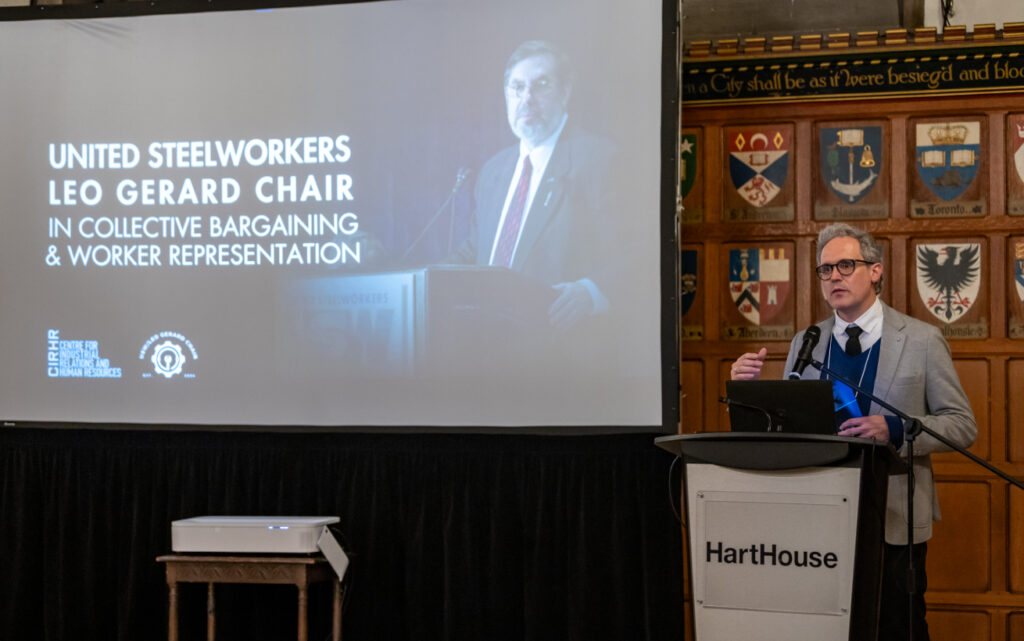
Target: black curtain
(475,537)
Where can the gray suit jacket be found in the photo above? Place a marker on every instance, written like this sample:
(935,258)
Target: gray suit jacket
(915,375)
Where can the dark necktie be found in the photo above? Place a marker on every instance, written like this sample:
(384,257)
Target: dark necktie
(853,342)
(513,218)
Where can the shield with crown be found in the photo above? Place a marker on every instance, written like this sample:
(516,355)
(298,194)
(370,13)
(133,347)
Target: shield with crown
(948,155)
(759,282)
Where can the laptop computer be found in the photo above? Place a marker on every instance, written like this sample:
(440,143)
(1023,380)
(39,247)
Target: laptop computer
(796,407)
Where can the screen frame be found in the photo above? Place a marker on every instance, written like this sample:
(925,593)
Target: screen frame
(671,69)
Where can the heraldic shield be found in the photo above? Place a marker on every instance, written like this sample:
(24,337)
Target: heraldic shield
(949,278)
(758,282)
(1018,276)
(687,279)
(851,160)
(948,155)
(687,163)
(758,164)
(1018,153)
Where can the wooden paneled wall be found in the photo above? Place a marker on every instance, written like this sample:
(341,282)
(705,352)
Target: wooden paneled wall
(976,557)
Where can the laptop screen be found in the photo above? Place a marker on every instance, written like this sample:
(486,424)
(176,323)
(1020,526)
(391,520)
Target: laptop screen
(800,406)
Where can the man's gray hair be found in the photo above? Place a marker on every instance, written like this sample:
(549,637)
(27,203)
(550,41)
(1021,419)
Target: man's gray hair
(869,247)
(531,48)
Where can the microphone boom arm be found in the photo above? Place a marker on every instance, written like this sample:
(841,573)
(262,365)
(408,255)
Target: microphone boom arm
(459,179)
(916,426)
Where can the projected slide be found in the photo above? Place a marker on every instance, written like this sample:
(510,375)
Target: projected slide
(412,213)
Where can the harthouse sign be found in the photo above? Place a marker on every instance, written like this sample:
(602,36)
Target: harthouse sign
(772,552)
(769,554)
(854,74)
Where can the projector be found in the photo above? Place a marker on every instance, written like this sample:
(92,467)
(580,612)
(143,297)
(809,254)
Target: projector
(260,535)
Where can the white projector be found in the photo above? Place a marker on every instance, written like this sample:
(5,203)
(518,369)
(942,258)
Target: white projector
(260,535)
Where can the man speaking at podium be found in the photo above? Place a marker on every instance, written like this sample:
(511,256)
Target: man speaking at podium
(543,205)
(906,363)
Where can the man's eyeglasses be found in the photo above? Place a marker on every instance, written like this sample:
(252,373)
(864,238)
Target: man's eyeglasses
(540,86)
(845,267)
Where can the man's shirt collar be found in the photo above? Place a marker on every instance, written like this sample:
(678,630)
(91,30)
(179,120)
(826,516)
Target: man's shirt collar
(870,321)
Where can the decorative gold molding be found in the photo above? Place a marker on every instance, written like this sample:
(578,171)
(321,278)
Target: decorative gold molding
(699,49)
(816,42)
(754,45)
(867,38)
(956,33)
(895,37)
(782,44)
(1013,30)
(925,35)
(984,32)
(838,40)
(810,42)
(727,47)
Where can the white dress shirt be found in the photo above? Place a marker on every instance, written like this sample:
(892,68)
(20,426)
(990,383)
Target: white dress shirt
(539,158)
(870,321)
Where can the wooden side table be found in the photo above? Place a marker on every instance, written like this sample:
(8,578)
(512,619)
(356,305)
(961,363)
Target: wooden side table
(300,571)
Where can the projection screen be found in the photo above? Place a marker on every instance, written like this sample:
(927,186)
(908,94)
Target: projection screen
(290,216)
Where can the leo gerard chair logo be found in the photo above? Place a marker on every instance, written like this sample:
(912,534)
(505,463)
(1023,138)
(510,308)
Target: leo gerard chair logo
(167,355)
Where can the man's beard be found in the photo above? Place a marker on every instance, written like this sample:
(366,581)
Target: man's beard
(535,131)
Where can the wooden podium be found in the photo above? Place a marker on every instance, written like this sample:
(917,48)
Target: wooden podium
(785,534)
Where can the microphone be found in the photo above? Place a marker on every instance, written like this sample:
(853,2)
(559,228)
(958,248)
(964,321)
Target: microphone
(460,177)
(768,417)
(804,357)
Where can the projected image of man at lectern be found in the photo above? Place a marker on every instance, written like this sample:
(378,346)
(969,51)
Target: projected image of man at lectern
(543,206)
(908,364)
